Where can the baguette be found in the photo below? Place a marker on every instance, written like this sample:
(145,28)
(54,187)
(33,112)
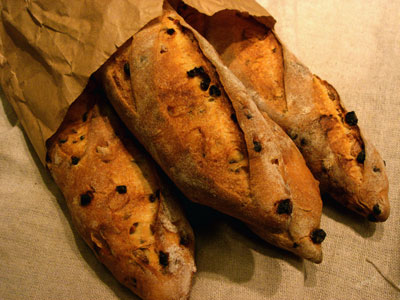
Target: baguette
(118,204)
(309,110)
(198,122)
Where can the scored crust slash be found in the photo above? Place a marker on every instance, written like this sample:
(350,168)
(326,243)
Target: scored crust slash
(309,109)
(202,127)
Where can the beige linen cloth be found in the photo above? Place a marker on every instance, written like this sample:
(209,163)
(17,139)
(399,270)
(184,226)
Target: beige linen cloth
(353,44)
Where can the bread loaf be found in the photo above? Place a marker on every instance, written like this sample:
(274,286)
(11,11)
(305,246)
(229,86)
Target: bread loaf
(309,109)
(118,203)
(198,122)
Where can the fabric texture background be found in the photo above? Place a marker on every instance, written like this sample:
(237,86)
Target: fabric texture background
(352,45)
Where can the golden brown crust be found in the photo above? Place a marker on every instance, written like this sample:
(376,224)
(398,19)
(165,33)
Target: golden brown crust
(307,108)
(201,126)
(120,207)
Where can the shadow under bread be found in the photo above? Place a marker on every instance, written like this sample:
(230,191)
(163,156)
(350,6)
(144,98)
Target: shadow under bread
(225,246)
(357,223)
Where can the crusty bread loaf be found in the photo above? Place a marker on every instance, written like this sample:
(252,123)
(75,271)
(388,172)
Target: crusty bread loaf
(198,122)
(306,107)
(126,215)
